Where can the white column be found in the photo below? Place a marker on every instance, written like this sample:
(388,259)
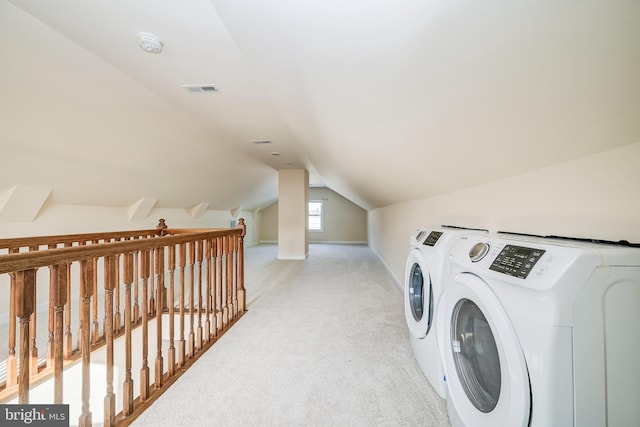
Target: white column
(293,210)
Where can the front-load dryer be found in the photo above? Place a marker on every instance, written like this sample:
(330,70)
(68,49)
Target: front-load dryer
(424,279)
(540,332)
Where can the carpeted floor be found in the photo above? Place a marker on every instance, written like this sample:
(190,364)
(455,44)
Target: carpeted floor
(324,343)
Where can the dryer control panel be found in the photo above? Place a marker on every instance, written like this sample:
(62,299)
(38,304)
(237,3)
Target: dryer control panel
(517,261)
(432,238)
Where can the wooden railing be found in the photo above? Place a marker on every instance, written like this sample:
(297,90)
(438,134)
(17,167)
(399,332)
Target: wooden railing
(174,291)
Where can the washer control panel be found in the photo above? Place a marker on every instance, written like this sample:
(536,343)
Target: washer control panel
(432,238)
(516,261)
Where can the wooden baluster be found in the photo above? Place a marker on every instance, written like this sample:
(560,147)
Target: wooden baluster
(162,231)
(96,293)
(214,298)
(144,371)
(53,280)
(136,274)
(219,311)
(24,300)
(95,334)
(207,275)
(33,357)
(127,387)
(198,267)
(117,320)
(242,296)
(233,242)
(159,267)
(12,361)
(68,336)
(229,273)
(105,267)
(223,274)
(181,342)
(111,279)
(151,295)
(171,303)
(106,279)
(87,278)
(59,299)
(191,340)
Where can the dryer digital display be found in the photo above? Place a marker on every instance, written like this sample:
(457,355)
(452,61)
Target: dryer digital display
(432,238)
(516,261)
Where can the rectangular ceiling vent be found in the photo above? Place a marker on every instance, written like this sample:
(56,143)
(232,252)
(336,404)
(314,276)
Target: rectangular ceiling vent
(200,88)
(262,141)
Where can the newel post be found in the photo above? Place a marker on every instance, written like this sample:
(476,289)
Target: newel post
(242,298)
(162,227)
(23,306)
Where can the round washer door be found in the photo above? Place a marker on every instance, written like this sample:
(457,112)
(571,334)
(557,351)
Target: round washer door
(418,295)
(486,372)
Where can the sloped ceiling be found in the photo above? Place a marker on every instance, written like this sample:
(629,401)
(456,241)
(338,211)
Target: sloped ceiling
(382,101)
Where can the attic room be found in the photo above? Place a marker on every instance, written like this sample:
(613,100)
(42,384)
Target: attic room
(394,115)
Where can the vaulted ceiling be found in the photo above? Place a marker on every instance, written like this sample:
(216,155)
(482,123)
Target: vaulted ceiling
(382,101)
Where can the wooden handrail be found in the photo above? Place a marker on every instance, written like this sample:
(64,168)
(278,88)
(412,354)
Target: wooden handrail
(25,242)
(42,258)
(119,280)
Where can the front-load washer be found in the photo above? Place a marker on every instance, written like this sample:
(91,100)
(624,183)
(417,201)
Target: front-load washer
(540,332)
(424,278)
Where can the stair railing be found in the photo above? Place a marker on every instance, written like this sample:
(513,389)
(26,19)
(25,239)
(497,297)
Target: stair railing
(122,293)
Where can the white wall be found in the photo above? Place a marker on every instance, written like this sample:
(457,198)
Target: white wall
(69,219)
(344,221)
(595,197)
(269,224)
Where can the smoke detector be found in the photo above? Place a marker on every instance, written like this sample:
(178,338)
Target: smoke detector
(149,43)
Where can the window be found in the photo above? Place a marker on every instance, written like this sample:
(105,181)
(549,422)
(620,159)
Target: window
(315,215)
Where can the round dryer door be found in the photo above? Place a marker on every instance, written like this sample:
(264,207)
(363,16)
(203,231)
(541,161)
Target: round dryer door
(485,368)
(418,295)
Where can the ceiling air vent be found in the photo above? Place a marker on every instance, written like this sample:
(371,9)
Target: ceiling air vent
(200,88)
(261,141)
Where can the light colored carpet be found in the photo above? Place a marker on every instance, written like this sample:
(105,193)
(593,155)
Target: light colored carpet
(324,343)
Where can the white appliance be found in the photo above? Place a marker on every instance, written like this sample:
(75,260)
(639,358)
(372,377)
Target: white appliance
(425,273)
(541,332)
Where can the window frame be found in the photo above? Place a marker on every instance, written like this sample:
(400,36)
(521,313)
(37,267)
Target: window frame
(320,215)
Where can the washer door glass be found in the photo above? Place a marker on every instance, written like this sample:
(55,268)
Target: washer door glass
(475,355)
(417,294)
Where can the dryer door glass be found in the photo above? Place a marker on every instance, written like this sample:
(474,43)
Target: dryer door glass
(475,355)
(416,292)
(416,295)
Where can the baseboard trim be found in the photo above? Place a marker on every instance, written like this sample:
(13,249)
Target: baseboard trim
(294,258)
(398,283)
